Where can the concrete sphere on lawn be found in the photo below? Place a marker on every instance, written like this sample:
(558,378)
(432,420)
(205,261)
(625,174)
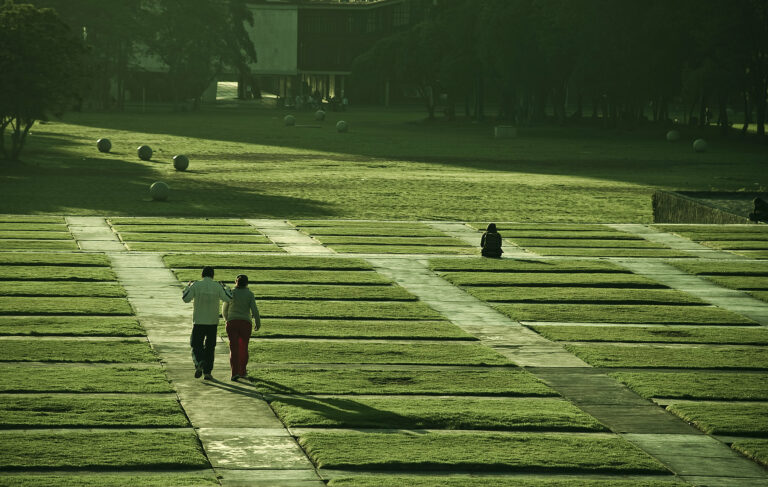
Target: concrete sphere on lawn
(104,145)
(673,136)
(320,115)
(181,162)
(159,191)
(145,152)
(289,120)
(342,126)
(700,145)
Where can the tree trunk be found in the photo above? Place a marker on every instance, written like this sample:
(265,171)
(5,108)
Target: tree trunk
(747,114)
(722,116)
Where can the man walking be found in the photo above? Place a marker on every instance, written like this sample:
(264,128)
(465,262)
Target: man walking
(206,294)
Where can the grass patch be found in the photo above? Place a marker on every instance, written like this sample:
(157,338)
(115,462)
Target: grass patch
(131,450)
(549,227)
(761,295)
(486,381)
(78,410)
(19,244)
(753,254)
(670,334)
(14,305)
(740,282)
(193,237)
(83,378)
(414,230)
(480,451)
(81,350)
(612,252)
(727,268)
(713,236)
(285,262)
(527,414)
(176,221)
(359,224)
(737,244)
(31,218)
(561,279)
(55,273)
(385,241)
(36,235)
(628,313)
(516,294)
(201,247)
(756,450)
(198,229)
(107,479)
(403,249)
(277,328)
(524,265)
(682,357)
(323,352)
(305,277)
(34,227)
(458,480)
(52,259)
(739,419)
(61,288)
(586,243)
(714,228)
(339,291)
(414,310)
(704,385)
(71,325)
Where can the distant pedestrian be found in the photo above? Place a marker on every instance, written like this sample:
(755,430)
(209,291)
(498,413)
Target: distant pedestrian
(206,294)
(238,313)
(491,242)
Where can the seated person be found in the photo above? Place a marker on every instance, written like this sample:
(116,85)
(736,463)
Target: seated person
(491,242)
(761,211)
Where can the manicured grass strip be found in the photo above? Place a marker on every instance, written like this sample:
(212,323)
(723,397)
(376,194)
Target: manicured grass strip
(740,282)
(269,276)
(733,236)
(586,243)
(524,265)
(568,235)
(38,235)
(403,249)
(457,480)
(197,261)
(319,291)
(553,227)
(83,378)
(34,227)
(80,350)
(192,237)
(722,228)
(714,418)
(277,328)
(628,313)
(613,252)
(673,334)
(517,294)
(322,352)
(199,229)
(728,268)
(357,223)
(683,357)
(753,254)
(55,273)
(526,414)
(426,241)
(757,450)
(19,244)
(31,218)
(374,231)
(52,259)
(14,305)
(348,310)
(78,410)
(100,449)
(107,479)
(61,288)
(176,221)
(486,381)
(71,325)
(202,247)
(738,244)
(563,279)
(479,451)
(762,295)
(703,384)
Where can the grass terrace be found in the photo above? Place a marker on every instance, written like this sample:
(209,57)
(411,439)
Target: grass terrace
(672,356)
(756,449)
(751,277)
(698,384)
(412,329)
(117,326)
(724,418)
(202,478)
(35,235)
(75,350)
(476,480)
(754,335)
(94,378)
(747,240)
(55,273)
(49,259)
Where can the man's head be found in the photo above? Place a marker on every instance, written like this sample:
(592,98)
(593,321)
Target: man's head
(208,271)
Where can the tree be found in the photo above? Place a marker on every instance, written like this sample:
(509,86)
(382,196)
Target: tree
(41,70)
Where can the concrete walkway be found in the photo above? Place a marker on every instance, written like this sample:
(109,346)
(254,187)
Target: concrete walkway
(93,233)
(674,241)
(289,238)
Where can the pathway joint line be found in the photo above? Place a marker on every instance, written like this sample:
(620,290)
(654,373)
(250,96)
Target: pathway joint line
(288,237)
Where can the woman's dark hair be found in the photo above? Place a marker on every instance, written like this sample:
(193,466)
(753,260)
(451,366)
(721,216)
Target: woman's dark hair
(208,271)
(241,281)
(491,228)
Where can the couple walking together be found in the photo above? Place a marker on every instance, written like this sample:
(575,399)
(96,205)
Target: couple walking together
(239,308)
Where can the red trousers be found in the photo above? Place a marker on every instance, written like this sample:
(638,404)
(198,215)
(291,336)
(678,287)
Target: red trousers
(239,332)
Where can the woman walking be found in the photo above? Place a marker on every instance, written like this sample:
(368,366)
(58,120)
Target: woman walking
(238,314)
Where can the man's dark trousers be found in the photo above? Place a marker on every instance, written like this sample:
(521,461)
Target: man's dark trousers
(203,343)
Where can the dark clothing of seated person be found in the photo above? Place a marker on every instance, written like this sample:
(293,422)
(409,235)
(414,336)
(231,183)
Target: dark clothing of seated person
(760,212)
(491,242)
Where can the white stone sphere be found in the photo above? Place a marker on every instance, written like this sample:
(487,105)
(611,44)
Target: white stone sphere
(289,120)
(144,152)
(181,162)
(700,145)
(673,136)
(342,126)
(320,115)
(159,191)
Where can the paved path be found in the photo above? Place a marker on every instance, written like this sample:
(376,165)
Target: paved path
(289,238)
(93,233)
(674,241)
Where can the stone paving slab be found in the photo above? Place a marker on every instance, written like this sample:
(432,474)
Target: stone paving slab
(288,237)
(270,478)
(93,233)
(253,449)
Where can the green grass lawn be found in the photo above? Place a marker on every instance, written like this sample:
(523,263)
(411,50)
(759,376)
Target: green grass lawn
(342,352)
(194,238)
(753,254)
(700,384)
(731,418)
(61,288)
(401,231)
(761,295)
(377,310)
(518,414)
(740,282)
(176,221)
(303,277)
(31,219)
(726,268)
(484,381)
(628,313)
(683,357)
(71,326)
(36,235)
(525,265)
(52,259)
(79,350)
(201,247)
(607,296)
(496,481)
(738,244)
(82,378)
(754,335)
(129,450)
(79,410)
(20,244)
(188,229)
(336,291)
(605,252)
(548,227)
(757,450)
(403,249)
(108,479)
(521,452)
(586,243)
(284,262)
(55,273)
(751,234)
(561,279)
(396,241)
(411,329)
(14,305)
